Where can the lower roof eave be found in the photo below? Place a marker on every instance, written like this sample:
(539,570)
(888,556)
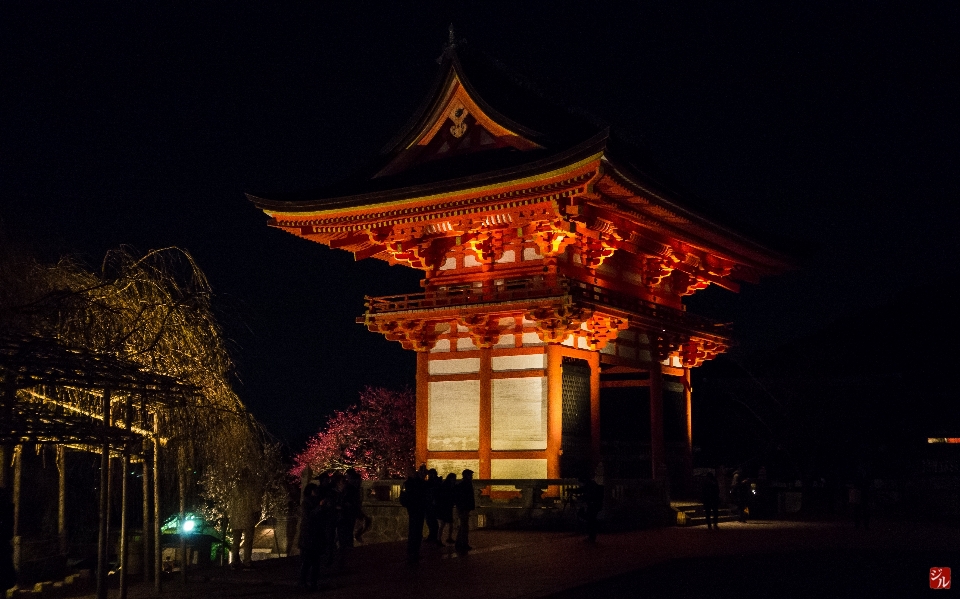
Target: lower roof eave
(670,327)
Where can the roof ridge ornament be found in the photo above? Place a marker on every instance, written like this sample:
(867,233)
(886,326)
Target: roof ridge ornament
(451,45)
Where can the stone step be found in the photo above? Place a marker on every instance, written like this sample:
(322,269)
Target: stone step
(702,520)
(693,514)
(699,511)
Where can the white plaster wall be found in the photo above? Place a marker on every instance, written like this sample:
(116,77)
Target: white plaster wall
(515,468)
(522,362)
(531,340)
(673,361)
(453,420)
(465,344)
(519,414)
(455,366)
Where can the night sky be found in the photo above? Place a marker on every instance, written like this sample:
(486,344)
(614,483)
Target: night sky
(829,126)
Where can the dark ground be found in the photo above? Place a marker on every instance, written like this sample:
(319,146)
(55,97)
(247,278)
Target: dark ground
(810,573)
(758,559)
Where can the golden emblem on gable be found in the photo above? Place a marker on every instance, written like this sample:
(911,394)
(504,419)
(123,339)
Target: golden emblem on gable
(458,114)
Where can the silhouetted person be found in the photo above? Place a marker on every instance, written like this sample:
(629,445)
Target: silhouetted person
(711,500)
(733,490)
(414,498)
(329,499)
(465,500)
(363,521)
(744,493)
(8,575)
(444,501)
(592,496)
(430,515)
(347,510)
(313,539)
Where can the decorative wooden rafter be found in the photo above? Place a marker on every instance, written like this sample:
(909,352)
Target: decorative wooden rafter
(556,323)
(413,333)
(484,329)
(552,238)
(695,352)
(601,328)
(487,244)
(685,284)
(665,344)
(654,270)
(597,243)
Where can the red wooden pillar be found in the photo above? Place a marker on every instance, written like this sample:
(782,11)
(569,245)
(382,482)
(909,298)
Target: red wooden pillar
(594,360)
(657,446)
(486,407)
(554,409)
(423,390)
(688,440)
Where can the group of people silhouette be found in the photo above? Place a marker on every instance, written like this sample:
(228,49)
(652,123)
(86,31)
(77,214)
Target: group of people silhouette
(431,500)
(333,518)
(330,510)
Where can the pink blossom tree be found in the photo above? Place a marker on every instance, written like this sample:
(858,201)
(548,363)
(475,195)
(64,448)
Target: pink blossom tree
(376,436)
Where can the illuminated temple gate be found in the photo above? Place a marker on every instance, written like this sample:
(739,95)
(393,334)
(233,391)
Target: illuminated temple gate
(550,332)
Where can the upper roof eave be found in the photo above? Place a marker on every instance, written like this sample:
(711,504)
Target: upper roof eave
(594,145)
(666,199)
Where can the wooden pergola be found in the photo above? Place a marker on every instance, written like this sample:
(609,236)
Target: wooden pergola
(37,372)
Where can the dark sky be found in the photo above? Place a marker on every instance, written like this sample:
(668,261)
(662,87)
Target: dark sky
(831,124)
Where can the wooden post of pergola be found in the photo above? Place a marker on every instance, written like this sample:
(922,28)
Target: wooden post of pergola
(157,551)
(62,498)
(103,542)
(17,483)
(4,466)
(6,450)
(145,463)
(182,478)
(124,496)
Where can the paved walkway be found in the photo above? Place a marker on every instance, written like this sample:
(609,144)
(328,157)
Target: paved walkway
(509,564)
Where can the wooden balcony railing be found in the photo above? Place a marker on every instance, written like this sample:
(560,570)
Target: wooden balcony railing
(569,290)
(509,290)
